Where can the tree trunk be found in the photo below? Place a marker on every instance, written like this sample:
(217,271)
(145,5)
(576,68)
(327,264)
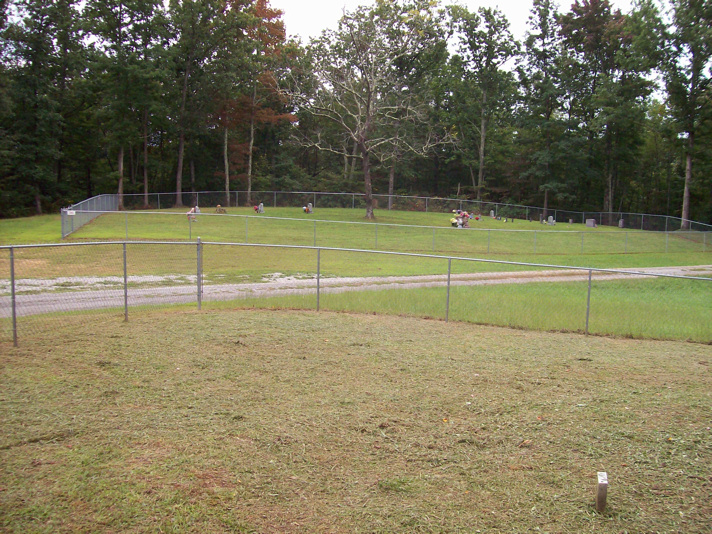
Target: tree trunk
(145,158)
(181,137)
(38,204)
(346,164)
(252,144)
(472,176)
(368,188)
(483,138)
(226,162)
(121,178)
(179,172)
(391,180)
(353,162)
(688,178)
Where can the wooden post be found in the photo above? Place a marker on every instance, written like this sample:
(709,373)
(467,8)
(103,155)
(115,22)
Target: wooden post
(601,491)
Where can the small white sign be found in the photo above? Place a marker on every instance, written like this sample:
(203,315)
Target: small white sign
(71,212)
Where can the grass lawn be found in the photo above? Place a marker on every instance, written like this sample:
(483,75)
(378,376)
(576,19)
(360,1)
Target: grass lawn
(647,309)
(253,421)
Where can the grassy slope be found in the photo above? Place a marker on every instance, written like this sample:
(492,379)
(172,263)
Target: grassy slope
(31,230)
(604,246)
(248,421)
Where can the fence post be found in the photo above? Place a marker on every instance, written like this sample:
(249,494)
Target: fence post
(318,277)
(353,201)
(275,199)
(126,289)
(426,204)
(200,274)
(667,236)
(12,293)
(588,299)
(447,298)
(159,201)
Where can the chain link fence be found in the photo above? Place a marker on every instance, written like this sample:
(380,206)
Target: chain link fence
(75,217)
(40,284)
(516,237)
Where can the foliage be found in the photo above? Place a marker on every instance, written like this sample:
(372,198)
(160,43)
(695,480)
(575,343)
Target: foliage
(408,95)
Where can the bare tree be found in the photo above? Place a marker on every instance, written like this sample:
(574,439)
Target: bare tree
(366,80)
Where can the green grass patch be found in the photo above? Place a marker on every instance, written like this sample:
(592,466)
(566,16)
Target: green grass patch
(28,230)
(251,421)
(652,308)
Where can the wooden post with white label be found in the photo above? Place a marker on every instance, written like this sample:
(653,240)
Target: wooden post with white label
(601,491)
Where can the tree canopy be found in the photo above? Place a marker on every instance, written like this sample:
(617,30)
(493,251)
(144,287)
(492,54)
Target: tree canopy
(595,109)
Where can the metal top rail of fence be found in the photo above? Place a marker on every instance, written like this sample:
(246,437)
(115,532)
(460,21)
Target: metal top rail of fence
(110,202)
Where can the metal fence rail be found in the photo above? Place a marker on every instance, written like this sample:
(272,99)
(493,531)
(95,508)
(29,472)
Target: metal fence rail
(640,221)
(40,284)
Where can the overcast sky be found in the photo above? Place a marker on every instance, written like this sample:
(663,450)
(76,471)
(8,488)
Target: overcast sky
(307,18)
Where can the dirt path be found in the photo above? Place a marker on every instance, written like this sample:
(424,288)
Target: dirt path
(45,296)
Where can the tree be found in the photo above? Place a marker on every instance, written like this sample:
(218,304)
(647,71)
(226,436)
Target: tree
(204,35)
(688,72)
(607,85)
(362,73)
(41,46)
(542,98)
(128,33)
(486,44)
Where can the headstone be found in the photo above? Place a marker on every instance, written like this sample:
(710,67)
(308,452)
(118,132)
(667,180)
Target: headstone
(571,221)
(591,223)
(491,213)
(551,221)
(621,224)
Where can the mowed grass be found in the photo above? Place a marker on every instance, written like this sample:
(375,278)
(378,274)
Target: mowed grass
(654,308)
(490,239)
(392,230)
(254,421)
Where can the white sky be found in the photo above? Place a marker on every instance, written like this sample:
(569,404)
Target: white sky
(307,18)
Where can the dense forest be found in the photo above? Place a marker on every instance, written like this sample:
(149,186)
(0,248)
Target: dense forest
(594,110)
